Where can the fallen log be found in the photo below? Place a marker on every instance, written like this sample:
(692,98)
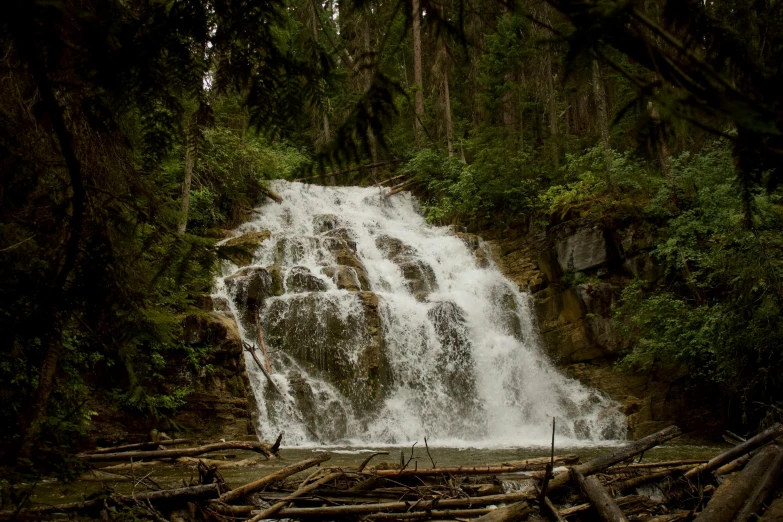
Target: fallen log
(298,493)
(725,506)
(553,511)
(277,476)
(762,438)
(402,186)
(764,488)
(258,447)
(623,453)
(395,178)
(386,507)
(140,445)
(431,472)
(635,482)
(666,464)
(516,511)
(540,463)
(458,514)
(599,497)
(271,194)
(202,492)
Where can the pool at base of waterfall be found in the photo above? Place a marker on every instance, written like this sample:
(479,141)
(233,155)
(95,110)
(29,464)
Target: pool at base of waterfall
(238,470)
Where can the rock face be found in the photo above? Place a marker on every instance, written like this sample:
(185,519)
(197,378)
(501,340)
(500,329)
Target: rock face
(346,351)
(240,249)
(576,271)
(419,276)
(220,404)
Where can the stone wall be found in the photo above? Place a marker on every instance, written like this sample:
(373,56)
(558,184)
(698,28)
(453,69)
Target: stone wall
(576,271)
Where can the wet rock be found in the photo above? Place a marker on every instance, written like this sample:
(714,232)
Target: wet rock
(326,222)
(293,250)
(344,277)
(636,238)
(509,310)
(240,249)
(250,287)
(394,249)
(345,257)
(342,235)
(582,250)
(301,280)
(456,368)
(419,277)
(337,338)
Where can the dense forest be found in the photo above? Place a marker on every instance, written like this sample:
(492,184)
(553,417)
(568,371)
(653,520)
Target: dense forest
(134,132)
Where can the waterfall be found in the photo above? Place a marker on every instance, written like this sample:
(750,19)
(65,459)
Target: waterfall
(383,329)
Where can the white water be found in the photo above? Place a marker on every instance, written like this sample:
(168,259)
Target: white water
(491,385)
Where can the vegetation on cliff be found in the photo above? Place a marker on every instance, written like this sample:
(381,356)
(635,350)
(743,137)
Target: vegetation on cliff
(133,131)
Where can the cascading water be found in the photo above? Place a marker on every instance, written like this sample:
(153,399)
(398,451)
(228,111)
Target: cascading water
(382,329)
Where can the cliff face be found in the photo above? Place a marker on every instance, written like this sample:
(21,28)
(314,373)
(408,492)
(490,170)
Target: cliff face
(220,404)
(576,271)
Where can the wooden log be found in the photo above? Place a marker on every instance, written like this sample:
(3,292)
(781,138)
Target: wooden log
(724,507)
(635,482)
(599,497)
(620,454)
(457,514)
(258,447)
(734,465)
(271,194)
(540,463)
(277,476)
(553,511)
(402,186)
(762,438)
(764,488)
(202,492)
(386,507)
(140,445)
(395,178)
(516,511)
(431,472)
(774,512)
(298,493)
(665,464)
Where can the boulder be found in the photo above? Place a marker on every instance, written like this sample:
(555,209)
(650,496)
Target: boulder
(394,249)
(582,250)
(242,248)
(345,257)
(299,279)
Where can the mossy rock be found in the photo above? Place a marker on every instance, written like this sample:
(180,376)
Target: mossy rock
(240,250)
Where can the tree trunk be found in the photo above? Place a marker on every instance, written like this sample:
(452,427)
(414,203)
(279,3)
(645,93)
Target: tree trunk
(511,513)
(620,454)
(601,109)
(447,102)
(259,447)
(599,498)
(277,476)
(190,152)
(550,84)
(765,486)
(762,438)
(296,494)
(508,103)
(725,506)
(418,83)
(332,512)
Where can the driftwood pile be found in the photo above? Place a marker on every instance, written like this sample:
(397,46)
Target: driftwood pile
(616,486)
